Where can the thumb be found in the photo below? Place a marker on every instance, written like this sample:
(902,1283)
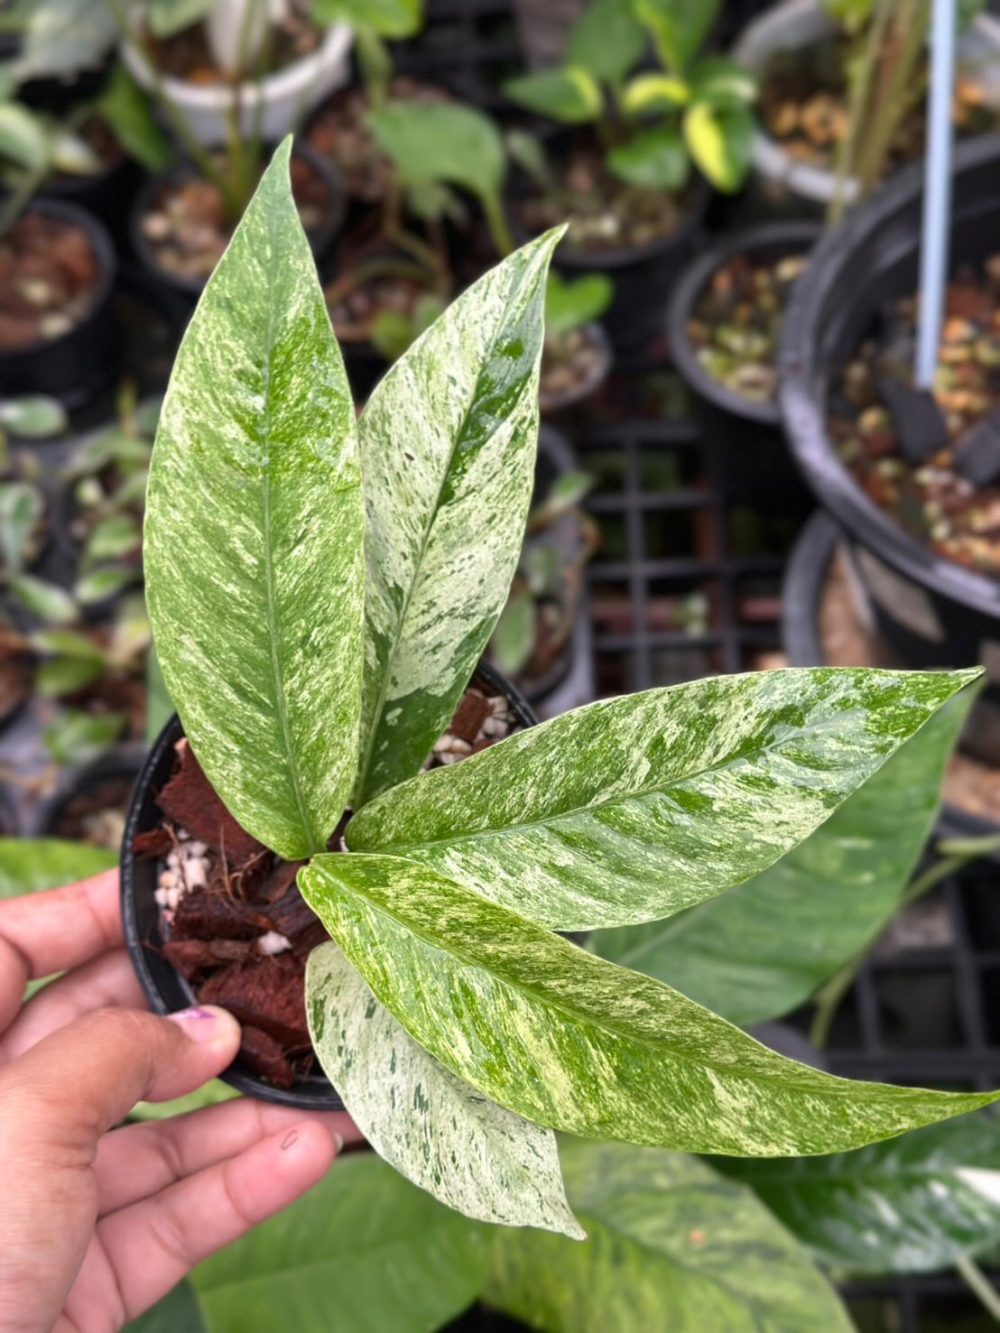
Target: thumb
(85,1078)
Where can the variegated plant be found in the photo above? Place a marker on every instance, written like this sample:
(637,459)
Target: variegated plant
(320,592)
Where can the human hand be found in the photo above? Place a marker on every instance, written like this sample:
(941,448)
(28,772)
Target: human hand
(97,1223)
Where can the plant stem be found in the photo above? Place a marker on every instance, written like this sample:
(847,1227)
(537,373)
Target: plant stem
(958,853)
(496,221)
(375,62)
(980,1284)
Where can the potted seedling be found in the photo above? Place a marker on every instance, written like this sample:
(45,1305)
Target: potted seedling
(533,642)
(623,171)
(577,357)
(57,267)
(233,69)
(321,590)
(723,331)
(843,90)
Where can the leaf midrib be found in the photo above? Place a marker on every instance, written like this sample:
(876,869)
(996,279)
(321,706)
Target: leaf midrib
(418,564)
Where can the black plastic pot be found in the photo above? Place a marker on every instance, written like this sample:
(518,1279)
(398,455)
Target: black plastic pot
(122,764)
(165,989)
(643,275)
(78,364)
(801,595)
(565,404)
(754,462)
(932,612)
(108,194)
(181,293)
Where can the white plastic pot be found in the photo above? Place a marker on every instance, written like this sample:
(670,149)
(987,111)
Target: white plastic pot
(288,95)
(794,25)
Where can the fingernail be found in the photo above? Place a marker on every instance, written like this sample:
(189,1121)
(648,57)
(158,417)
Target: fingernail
(338,1142)
(204,1023)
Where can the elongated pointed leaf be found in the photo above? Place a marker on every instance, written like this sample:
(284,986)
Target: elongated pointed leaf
(448,442)
(435,1129)
(762,949)
(254,536)
(607,40)
(909,1206)
(634,808)
(363,1252)
(672,1246)
(571,1041)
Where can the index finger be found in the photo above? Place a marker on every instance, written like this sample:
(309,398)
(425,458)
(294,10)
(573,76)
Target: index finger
(54,931)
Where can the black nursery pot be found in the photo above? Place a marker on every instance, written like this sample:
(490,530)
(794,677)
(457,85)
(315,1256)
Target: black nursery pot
(180,293)
(932,612)
(78,364)
(107,194)
(564,405)
(165,989)
(754,462)
(119,768)
(643,275)
(801,600)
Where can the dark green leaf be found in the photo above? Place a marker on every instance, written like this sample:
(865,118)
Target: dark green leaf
(567,94)
(678,27)
(671,1246)
(389,18)
(127,110)
(66,675)
(574,1043)
(722,81)
(177,1313)
(442,142)
(159,705)
(448,441)
(606,40)
(254,532)
(363,1252)
(912,1205)
(762,949)
(631,809)
(654,159)
(76,738)
(571,303)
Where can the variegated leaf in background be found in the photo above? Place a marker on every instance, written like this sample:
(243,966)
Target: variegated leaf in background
(448,444)
(631,809)
(480,1159)
(912,1205)
(763,948)
(671,1247)
(254,535)
(571,1041)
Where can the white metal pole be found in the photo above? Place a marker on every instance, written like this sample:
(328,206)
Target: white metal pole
(937,189)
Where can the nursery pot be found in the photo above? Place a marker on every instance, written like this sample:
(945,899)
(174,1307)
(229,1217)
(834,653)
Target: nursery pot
(933,613)
(802,593)
(784,183)
(753,460)
(118,767)
(76,365)
(165,989)
(182,291)
(565,404)
(271,108)
(643,275)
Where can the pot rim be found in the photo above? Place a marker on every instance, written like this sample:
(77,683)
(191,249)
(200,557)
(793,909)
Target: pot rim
(803,381)
(558,402)
(318,1094)
(689,287)
(324,236)
(107,269)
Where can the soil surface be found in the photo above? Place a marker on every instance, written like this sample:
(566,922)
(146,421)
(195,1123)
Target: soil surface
(187,54)
(187,228)
(48,280)
(339,132)
(571,364)
(736,324)
(355,306)
(804,106)
(932,497)
(235,925)
(604,214)
(97,814)
(969,785)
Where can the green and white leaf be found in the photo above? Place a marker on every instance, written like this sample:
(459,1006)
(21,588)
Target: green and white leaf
(762,949)
(364,1252)
(64,36)
(45,600)
(74,737)
(34,416)
(97,585)
(671,1246)
(720,139)
(568,94)
(21,508)
(254,535)
(631,809)
(448,442)
(470,1153)
(912,1205)
(570,1041)
(649,93)
(24,137)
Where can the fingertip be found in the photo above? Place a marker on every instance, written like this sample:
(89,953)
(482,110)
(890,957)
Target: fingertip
(307,1149)
(208,1025)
